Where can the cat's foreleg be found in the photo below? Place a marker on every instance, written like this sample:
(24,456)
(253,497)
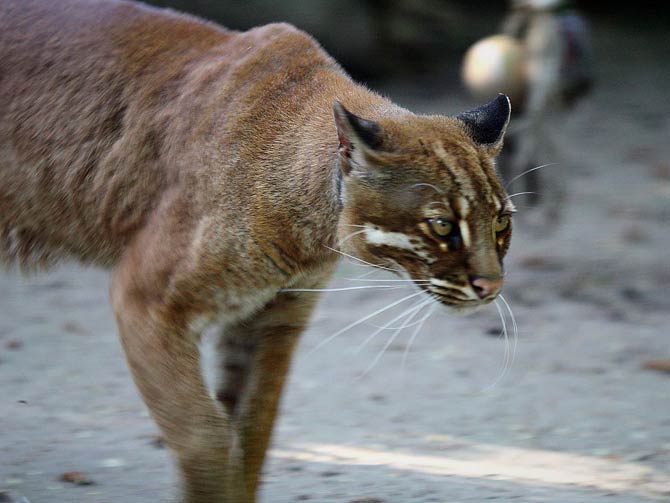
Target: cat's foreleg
(164,358)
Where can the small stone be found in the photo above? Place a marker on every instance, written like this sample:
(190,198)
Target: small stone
(74,328)
(658,365)
(13,344)
(330,473)
(76,478)
(494,331)
(634,234)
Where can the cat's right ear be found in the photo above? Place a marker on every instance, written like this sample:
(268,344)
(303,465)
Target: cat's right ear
(487,124)
(359,138)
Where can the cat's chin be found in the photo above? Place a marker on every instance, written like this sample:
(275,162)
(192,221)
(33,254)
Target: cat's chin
(464,309)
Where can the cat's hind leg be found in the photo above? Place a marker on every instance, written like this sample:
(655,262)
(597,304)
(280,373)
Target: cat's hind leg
(254,372)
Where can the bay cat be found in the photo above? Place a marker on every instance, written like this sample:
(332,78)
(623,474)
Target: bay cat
(214,173)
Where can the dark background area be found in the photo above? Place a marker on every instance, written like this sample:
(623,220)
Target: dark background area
(416,39)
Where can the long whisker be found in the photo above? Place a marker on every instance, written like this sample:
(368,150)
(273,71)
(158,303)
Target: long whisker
(421,281)
(365,318)
(521,194)
(365,275)
(361,260)
(366,287)
(396,327)
(393,337)
(440,191)
(415,307)
(528,171)
(416,333)
(515,328)
(503,370)
(351,235)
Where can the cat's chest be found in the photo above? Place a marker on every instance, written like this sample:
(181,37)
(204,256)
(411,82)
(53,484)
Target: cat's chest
(233,304)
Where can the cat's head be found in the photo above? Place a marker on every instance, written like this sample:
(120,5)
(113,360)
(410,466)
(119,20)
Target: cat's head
(420,195)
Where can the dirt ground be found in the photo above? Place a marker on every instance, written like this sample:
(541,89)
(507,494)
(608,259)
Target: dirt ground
(575,419)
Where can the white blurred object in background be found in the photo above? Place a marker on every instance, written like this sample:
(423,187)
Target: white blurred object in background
(494,65)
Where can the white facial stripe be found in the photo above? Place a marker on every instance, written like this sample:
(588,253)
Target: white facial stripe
(465,232)
(442,283)
(466,290)
(376,236)
(497,203)
(463,207)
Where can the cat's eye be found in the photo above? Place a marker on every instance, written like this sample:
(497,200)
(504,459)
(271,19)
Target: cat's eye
(441,226)
(501,223)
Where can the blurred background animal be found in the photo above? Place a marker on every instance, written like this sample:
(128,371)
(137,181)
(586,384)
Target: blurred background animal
(542,60)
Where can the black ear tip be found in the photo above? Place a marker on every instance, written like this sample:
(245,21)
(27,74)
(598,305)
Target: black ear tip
(487,123)
(503,101)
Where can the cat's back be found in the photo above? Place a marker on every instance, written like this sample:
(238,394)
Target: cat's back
(98,100)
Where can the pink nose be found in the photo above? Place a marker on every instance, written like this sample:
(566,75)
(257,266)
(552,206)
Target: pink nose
(485,287)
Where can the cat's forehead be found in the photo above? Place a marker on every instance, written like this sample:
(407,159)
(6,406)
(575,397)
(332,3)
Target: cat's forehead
(459,175)
(435,160)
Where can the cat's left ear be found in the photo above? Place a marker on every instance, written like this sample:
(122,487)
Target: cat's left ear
(487,123)
(359,140)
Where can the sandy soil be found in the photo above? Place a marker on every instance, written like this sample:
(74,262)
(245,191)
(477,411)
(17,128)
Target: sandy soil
(575,419)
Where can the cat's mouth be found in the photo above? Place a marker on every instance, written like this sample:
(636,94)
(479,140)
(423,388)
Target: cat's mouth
(456,299)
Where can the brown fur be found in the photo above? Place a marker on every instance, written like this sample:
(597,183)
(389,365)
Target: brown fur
(201,166)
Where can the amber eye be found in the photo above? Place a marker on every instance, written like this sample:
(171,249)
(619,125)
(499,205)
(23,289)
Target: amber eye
(501,223)
(441,226)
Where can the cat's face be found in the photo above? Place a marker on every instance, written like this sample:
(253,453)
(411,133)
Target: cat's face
(421,196)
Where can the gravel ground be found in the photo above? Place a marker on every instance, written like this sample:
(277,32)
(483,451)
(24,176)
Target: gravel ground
(576,418)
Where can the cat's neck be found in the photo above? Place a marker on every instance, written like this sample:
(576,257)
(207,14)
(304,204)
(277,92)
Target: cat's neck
(316,171)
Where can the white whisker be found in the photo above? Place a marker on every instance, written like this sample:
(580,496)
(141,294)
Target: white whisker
(419,281)
(351,235)
(416,306)
(503,370)
(528,171)
(393,337)
(396,327)
(365,318)
(521,194)
(440,191)
(416,333)
(361,260)
(515,328)
(365,275)
(366,287)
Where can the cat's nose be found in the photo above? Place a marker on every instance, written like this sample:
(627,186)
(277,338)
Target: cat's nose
(486,286)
